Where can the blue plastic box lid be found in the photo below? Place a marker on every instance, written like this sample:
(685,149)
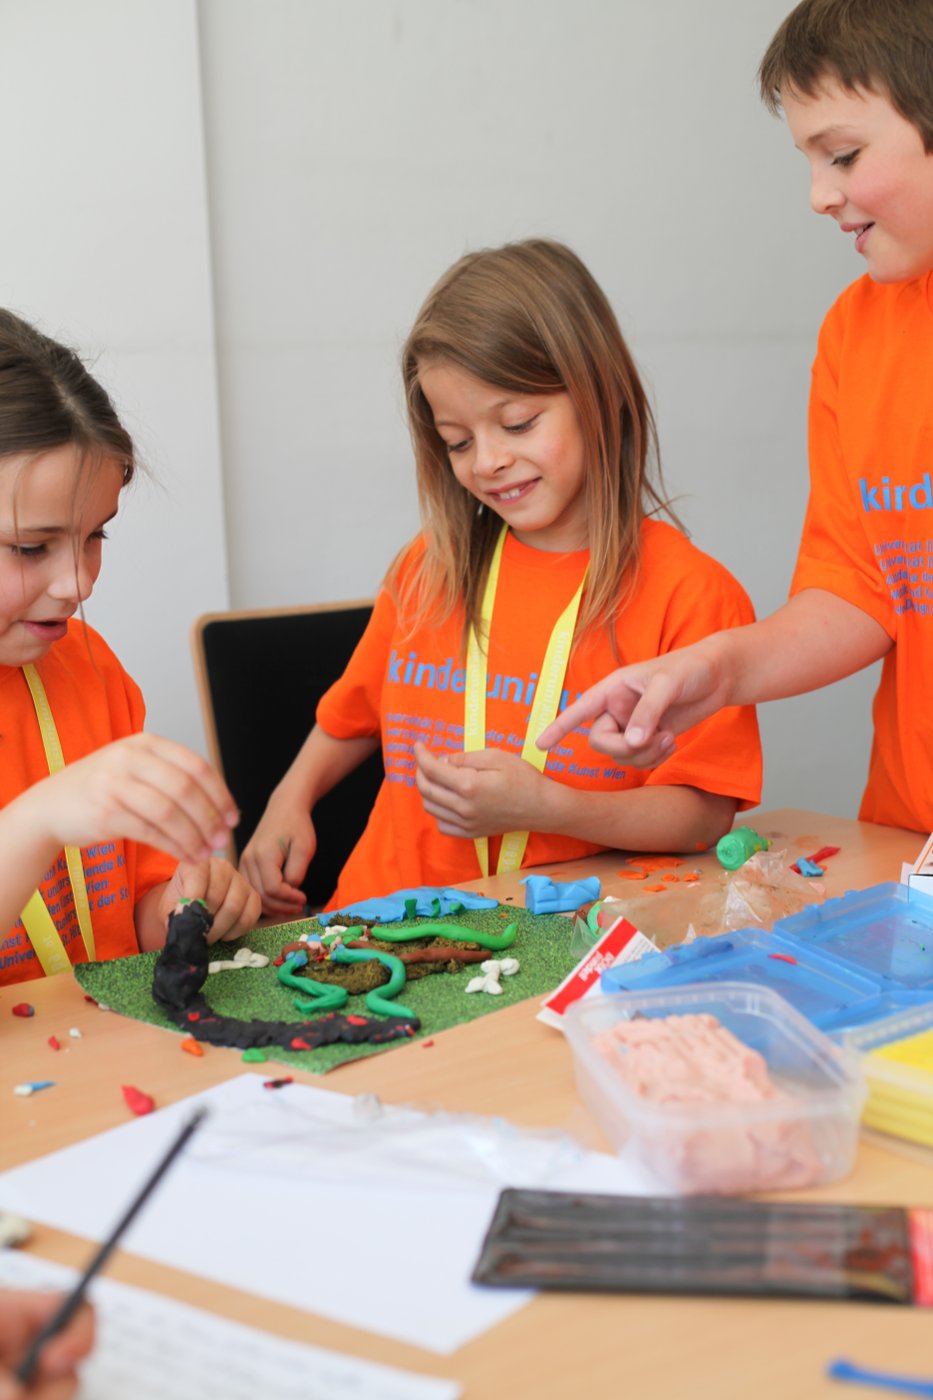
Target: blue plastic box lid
(879,931)
(820,987)
(848,962)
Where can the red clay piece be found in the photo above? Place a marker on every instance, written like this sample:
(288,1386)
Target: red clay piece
(22,1008)
(136,1100)
(54,1042)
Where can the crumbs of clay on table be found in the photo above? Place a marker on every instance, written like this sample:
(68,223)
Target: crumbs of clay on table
(687,1061)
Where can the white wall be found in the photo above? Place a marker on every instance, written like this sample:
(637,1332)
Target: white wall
(351,150)
(104,243)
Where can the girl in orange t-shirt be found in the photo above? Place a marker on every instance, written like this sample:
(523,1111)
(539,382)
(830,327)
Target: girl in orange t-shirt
(88,803)
(534,446)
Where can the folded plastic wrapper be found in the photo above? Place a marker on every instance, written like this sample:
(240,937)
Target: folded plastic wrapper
(764,890)
(757,895)
(278,1139)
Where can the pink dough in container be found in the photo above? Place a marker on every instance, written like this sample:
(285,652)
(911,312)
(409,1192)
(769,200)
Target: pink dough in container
(716,1088)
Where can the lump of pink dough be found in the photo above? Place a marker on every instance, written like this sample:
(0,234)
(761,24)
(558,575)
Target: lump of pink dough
(693,1060)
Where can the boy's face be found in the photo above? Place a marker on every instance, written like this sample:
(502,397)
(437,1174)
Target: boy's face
(869,170)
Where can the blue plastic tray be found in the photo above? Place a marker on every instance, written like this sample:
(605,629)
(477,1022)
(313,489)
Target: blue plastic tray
(846,963)
(879,1008)
(819,986)
(879,931)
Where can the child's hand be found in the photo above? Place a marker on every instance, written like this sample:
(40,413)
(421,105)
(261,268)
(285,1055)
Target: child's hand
(637,710)
(233,902)
(278,854)
(480,794)
(21,1317)
(143,788)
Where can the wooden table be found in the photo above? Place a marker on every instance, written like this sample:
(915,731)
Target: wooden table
(510,1064)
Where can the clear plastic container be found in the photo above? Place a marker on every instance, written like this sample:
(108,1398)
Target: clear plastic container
(804,1135)
(900,1090)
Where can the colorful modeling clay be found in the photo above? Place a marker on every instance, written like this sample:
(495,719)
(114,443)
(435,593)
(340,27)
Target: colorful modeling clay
(318,996)
(803,866)
(379,1000)
(544,896)
(136,1100)
(424,902)
(495,942)
(243,957)
(736,846)
(492,970)
(181,971)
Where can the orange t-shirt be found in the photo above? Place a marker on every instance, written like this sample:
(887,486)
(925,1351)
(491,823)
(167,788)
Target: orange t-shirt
(867,536)
(93,701)
(407,687)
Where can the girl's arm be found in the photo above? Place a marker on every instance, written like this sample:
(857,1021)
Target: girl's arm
(487,793)
(814,639)
(142,788)
(280,849)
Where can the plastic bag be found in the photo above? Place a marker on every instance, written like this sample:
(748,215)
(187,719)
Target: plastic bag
(764,890)
(295,1137)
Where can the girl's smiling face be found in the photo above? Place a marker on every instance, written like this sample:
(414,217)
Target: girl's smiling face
(52,518)
(522,455)
(868,170)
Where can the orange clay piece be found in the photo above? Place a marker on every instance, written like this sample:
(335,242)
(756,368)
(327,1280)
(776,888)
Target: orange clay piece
(632,874)
(658,862)
(692,878)
(656,889)
(191,1046)
(670,879)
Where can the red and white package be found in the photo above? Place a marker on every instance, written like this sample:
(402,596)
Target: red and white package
(621,943)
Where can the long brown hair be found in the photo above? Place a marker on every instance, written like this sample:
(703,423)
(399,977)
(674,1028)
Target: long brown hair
(529,318)
(885,46)
(49,398)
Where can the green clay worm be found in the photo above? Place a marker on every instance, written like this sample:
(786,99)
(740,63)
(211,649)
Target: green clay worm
(379,1001)
(455,932)
(324,996)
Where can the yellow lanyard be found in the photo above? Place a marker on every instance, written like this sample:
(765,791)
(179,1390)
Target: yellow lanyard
(543,709)
(37,921)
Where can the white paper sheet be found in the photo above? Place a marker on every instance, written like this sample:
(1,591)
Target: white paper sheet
(150,1348)
(291,1194)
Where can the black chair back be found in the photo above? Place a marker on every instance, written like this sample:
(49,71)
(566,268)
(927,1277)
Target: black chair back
(260,676)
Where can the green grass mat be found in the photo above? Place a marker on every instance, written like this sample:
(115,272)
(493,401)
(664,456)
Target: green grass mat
(542,947)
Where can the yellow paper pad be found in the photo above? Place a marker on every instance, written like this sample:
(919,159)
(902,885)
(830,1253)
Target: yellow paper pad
(913,1050)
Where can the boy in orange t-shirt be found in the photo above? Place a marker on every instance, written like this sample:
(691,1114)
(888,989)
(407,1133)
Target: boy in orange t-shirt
(854,80)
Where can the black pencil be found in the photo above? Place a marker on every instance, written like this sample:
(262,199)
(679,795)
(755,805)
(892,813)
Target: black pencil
(70,1305)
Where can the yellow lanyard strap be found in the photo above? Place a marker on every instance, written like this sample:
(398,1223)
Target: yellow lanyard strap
(37,921)
(543,710)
